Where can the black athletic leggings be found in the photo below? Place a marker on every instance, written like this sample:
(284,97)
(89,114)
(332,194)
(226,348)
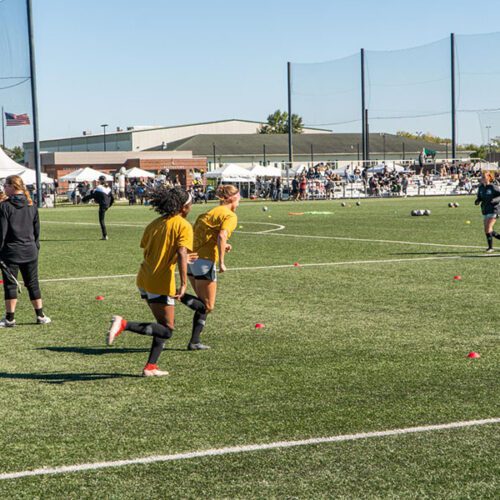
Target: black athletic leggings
(29,272)
(102,214)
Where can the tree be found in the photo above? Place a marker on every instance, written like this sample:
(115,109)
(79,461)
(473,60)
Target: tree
(16,153)
(277,123)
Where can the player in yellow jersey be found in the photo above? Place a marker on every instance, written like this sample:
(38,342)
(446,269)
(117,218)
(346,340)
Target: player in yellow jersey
(211,233)
(167,242)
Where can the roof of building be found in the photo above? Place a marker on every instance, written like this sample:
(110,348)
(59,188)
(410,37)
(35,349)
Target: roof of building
(248,144)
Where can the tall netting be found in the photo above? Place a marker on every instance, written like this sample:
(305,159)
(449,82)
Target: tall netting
(409,89)
(327,95)
(478,87)
(15,84)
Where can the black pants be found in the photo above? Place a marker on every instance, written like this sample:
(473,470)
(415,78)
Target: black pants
(29,272)
(102,214)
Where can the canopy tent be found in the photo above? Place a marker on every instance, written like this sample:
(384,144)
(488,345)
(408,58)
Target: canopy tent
(8,166)
(29,177)
(86,174)
(136,173)
(260,171)
(231,173)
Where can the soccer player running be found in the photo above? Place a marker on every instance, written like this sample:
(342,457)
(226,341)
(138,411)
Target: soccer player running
(488,195)
(166,242)
(211,233)
(102,195)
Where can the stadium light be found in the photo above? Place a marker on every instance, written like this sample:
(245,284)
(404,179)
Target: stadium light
(104,125)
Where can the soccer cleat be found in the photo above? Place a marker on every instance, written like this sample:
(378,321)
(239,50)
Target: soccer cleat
(5,323)
(151,370)
(489,250)
(43,320)
(105,238)
(115,328)
(197,347)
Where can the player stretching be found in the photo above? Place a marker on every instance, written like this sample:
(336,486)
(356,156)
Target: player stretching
(166,242)
(211,232)
(488,195)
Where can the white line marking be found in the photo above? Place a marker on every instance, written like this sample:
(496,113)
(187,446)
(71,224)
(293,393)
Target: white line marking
(120,224)
(289,266)
(244,449)
(277,227)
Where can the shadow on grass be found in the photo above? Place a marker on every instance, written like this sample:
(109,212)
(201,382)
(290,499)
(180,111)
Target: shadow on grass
(93,351)
(467,255)
(62,378)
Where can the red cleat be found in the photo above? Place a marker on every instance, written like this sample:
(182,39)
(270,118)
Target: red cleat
(116,327)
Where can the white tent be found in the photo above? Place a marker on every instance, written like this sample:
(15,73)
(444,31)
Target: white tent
(9,166)
(86,174)
(231,173)
(390,168)
(29,177)
(135,173)
(260,171)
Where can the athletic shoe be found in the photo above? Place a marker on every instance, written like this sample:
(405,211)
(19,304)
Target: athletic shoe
(105,238)
(115,328)
(197,347)
(153,371)
(5,323)
(43,320)
(489,250)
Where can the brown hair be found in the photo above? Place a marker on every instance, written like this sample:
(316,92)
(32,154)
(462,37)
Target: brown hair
(226,193)
(17,183)
(488,176)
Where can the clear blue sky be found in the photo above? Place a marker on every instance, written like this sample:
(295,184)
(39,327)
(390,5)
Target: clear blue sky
(148,62)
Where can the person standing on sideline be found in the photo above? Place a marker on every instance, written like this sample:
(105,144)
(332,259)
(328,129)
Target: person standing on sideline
(488,195)
(19,246)
(166,242)
(211,233)
(103,195)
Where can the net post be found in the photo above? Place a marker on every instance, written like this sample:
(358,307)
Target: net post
(363,124)
(290,131)
(453,99)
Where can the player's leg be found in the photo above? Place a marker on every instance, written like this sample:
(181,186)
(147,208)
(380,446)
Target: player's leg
(10,294)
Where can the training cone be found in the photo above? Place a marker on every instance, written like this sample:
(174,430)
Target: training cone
(1,282)
(259,325)
(467,221)
(296,264)
(457,278)
(473,355)
(99,297)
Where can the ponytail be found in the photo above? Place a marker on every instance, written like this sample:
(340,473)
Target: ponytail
(226,193)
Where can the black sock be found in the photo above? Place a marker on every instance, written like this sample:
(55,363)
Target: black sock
(156,350)
(489,239)
(495,235)
(151,329)
(193,303)
(199,320)
(9,316)
(39,312)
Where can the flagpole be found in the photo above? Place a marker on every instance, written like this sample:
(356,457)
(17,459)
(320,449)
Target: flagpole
(3,129)
(34,102)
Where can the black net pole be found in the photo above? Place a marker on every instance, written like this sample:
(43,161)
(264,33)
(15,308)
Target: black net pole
(363,123)
(34,102)
(367,135)
(290,128)
(453,110)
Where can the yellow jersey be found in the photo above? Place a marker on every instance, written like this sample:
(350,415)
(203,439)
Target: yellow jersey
(160,241)
(206,231)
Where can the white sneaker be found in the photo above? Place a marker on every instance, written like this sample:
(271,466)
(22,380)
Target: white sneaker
(115,328)
(43,320)
(154,373)
(489,250)
(5,323)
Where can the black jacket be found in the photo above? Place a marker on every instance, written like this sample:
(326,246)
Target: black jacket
(101,195)
(19,230)
(489,197)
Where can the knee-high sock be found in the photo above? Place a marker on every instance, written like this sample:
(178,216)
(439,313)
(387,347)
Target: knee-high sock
(156,350)
(151,329)
(193,303)
(495,235)
(199,320)
(489,239)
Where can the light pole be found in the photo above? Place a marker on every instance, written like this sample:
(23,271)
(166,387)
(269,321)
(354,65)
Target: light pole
(104,125)
(488,128)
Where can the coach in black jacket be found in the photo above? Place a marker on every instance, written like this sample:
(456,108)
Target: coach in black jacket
(103,196)
(19,245)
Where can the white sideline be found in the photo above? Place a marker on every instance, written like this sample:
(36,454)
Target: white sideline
(286,266)
(243,449)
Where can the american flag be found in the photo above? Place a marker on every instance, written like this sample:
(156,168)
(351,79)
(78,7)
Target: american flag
(11,119)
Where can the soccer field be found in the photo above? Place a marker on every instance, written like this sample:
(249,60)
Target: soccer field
(368,333)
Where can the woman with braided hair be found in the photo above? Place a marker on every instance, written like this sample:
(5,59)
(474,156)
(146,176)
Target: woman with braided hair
(166,242)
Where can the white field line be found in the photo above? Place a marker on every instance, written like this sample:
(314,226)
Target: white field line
(244,449)
(286,266)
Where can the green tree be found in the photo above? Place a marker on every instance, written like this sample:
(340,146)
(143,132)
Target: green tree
(16,153)
(277,123)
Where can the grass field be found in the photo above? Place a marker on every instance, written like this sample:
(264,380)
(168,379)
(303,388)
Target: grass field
(370,333)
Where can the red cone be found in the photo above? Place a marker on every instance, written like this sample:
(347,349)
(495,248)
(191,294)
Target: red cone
(457,278)
(1,282)
(259,325)
(296,264)
(99,297)
(473,355)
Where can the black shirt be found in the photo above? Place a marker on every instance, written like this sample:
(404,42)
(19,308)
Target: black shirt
(489,196)
(19,230)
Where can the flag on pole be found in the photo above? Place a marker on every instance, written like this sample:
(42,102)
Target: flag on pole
(12,120)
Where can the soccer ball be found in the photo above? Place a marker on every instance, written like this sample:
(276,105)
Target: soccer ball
(450,204)
(427,212)
(456,205)
(358,203)
(265,209)
(413,213)
(342,204)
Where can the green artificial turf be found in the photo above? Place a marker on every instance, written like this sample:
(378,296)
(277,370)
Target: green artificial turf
(347,348)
